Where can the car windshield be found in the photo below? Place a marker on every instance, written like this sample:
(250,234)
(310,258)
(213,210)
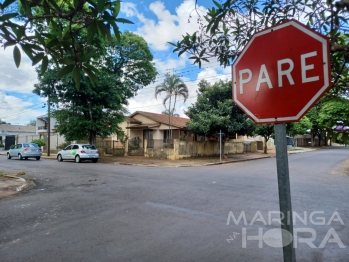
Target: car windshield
(25,145)
(33,145)
(88,147)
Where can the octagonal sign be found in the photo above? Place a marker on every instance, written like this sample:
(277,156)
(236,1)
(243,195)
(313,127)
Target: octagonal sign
(281,73)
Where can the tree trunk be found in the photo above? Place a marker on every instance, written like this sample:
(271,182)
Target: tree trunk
(312,137)
(169,120)
(174,105)
(265,145)
(92,137)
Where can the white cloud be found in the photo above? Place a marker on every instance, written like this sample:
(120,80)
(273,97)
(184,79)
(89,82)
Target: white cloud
(168,27)
(129,9)
(20,80)
(15,110)
(164,67)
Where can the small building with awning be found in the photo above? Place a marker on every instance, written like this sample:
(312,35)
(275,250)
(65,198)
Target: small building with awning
(156,128)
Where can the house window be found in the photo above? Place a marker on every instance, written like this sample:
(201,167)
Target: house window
(148,134)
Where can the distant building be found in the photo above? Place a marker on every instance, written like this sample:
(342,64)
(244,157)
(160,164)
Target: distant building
(42,127)
(8,132)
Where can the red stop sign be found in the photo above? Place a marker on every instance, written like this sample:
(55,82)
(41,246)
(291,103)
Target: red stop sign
(281,73)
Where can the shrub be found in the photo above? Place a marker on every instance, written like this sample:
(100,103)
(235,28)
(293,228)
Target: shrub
(12,146)
(40,142)
(134,143)
(63,145)
(2,145)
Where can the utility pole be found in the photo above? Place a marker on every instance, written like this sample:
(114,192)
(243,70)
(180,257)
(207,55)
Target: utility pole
(220,145)
(49,125)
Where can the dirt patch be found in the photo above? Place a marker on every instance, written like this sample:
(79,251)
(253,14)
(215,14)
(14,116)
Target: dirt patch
(13,184)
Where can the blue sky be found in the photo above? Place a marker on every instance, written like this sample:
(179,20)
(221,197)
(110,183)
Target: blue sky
(158,22)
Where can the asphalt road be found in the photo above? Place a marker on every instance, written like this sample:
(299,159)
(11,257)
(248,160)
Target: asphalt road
(106,212)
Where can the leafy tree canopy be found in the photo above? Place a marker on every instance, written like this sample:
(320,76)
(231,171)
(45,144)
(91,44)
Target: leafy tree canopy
(124,67)
(32,122)
(266,131)
(334,112)
(51,28)
(299,128)
(167,112)
(214,110)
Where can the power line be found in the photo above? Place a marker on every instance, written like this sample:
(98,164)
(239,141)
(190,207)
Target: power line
(5,117)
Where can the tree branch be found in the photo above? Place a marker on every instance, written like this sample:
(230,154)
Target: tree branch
(339,48)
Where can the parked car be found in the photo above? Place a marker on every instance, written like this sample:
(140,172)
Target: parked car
(78,153)
(25,151)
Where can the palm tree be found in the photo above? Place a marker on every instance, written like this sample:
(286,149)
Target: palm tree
(172,86)
(166,112)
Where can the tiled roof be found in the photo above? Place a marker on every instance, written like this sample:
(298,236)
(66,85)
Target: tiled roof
(133,121)
(175,120)
(17,128)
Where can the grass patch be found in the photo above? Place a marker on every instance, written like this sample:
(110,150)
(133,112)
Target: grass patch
(294,149)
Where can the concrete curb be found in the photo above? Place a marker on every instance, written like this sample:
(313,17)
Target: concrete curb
(196,165)
(192,165)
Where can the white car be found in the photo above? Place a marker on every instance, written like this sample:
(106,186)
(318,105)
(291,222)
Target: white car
(78,153)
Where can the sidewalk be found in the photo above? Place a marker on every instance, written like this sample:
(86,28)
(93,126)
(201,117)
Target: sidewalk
(199,161)
(13,184)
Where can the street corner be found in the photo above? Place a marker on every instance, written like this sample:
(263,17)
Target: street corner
(12,184)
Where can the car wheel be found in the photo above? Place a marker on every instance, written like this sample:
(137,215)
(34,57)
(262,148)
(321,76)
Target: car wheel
(77,159)
(20,157)
(37,158)
(8,156)
(94,160)
(59,158)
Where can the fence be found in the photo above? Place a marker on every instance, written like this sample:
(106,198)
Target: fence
(187,149)
(160,143)
(304,142)
(55,140)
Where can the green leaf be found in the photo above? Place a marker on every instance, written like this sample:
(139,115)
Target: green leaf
(101,5)
(77,77)
(28,50)
(66,61)
(217,4)
(92,68)
(123,20)
(26,7)
(39,37)
(91,31)
(117,6)
(87,56)
(44,64)
(9,43)
(8,16)
(17,56)
(115,28)
(65,70)
(38,58)
(7,3)
(76,3)
(54,4)
(91,75)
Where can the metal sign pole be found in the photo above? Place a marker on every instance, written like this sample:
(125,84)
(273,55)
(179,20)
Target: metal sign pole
(220,145)
(284,193)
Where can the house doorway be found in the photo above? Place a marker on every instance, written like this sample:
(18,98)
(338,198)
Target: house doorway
(10,140)
(148,134)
